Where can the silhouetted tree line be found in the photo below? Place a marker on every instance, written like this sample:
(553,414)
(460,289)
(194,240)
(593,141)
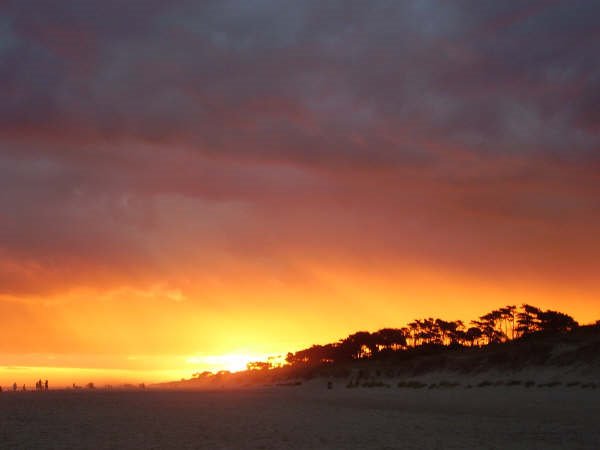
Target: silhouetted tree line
(498,326)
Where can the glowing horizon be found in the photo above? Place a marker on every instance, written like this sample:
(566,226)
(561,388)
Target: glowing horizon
(65,377)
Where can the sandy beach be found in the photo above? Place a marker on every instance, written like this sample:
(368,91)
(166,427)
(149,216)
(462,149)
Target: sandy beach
(305,417)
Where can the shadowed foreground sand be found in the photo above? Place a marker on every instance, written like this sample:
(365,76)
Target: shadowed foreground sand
(304,417)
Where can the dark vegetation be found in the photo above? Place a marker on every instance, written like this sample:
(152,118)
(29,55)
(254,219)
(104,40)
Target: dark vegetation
(509,338)
(427,336)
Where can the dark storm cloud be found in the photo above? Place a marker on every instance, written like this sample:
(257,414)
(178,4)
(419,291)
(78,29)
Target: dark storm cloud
(236,74)
(414,112)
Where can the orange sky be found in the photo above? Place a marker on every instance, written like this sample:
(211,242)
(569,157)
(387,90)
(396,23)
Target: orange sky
(163,333)
(194,185)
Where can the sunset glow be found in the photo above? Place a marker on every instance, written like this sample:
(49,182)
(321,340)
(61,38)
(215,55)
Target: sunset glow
(189,187)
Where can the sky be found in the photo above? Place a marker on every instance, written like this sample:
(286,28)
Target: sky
(188,185)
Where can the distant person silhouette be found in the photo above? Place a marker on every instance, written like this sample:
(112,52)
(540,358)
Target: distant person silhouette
(46,385)
(14,386)
(23,388)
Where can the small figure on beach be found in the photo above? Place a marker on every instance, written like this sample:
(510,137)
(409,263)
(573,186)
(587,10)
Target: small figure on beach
(23,388)
(14,386)
(46,385)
